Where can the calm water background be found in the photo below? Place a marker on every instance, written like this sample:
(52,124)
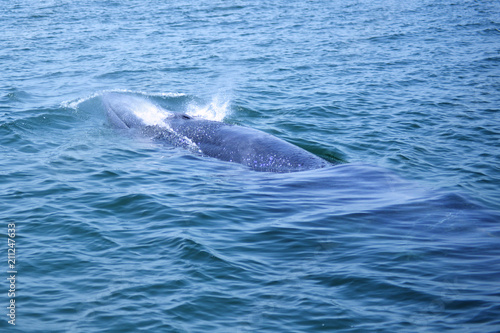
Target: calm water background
(119,233)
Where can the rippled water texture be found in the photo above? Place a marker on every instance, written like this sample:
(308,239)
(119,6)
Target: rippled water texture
(117,232)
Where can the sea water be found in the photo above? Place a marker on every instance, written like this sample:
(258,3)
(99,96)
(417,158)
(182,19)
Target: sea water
(115,232)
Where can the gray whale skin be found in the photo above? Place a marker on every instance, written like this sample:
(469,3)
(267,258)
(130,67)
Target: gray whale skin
(257,150)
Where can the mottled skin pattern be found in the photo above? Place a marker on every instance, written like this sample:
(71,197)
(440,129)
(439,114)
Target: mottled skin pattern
(257,150)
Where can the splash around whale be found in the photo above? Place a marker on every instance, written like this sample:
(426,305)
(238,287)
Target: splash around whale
(257,150)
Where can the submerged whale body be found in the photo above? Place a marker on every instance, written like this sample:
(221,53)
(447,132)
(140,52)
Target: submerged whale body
(258,150)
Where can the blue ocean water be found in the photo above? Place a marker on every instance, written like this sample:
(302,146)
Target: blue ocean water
(118,233)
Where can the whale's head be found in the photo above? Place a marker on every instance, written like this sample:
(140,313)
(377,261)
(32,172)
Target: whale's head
(126,111)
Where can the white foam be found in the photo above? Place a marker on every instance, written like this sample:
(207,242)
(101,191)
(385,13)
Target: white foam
(217,109)
(73,104)
(149,113)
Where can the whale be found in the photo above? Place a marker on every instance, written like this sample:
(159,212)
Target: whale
(253,148)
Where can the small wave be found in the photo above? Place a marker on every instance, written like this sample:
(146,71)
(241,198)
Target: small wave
(75,103)
(16,95)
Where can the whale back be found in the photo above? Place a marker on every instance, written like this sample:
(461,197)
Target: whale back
(256,149)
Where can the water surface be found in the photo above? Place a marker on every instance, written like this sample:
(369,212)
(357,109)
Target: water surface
(117,232)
